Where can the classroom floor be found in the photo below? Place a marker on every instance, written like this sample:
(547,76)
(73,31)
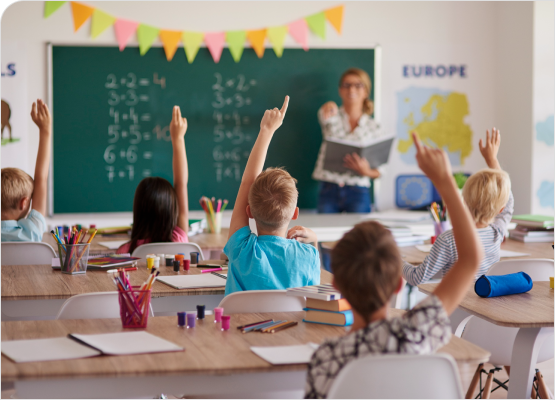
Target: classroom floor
(547,369)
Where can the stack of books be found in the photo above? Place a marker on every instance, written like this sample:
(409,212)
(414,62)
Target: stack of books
(324,305)
(404,237)
(532,228)
(196,226)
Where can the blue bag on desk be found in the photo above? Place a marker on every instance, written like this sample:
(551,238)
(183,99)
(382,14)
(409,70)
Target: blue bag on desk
(502,285)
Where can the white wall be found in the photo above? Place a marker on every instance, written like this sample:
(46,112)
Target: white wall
(493,38)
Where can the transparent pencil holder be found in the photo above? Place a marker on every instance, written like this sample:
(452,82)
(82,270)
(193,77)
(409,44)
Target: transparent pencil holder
(73,260)
(134,306)
(441,227)
(217,224)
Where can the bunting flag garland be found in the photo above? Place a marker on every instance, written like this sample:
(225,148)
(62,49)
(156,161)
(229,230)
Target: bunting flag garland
(100,22)
(276,36)
(214,41)
(335,17)
(81,13)
(170,40)
(191,44)
(51,6)
(236,42)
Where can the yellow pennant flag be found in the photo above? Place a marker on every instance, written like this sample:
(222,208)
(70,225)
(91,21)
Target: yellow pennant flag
(191,44)
(257,39)
(170,40)
(276,36)
(335,17)
(100,22)
(81,13)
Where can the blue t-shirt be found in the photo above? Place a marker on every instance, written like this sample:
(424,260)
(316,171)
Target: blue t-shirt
(28,229)
(269,262)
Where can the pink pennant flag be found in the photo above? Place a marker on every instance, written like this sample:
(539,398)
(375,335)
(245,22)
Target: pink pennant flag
(215,43)
(299,31)
(124,30)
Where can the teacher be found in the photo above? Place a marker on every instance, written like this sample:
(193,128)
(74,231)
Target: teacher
(348,191)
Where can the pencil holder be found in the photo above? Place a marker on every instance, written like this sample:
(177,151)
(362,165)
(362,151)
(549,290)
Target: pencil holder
(74,258)
(441,227)
(133,307)
(216,225)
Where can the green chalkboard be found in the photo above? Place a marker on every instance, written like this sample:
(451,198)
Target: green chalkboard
(112,109)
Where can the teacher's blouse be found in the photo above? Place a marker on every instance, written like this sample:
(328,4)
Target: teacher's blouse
(338,127)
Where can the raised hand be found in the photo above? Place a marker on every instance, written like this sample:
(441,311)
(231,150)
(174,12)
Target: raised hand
(329,109)
(41,116)
(491,148)
(178,126)
(302,234)
(273,119)
(433,162)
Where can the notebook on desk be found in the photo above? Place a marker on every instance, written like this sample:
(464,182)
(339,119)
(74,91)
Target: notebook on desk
(194,281)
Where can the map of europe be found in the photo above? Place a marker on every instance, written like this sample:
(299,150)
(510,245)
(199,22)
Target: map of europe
(438,117)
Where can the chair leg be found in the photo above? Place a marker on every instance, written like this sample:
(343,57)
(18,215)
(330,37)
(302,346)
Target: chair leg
(508,369)
(542,387)
(534,394)
(474,382)
(487,386)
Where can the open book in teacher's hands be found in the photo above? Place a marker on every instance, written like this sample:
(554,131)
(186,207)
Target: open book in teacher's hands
(375,150)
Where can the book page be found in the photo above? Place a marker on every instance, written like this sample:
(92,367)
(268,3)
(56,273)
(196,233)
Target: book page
(61,348)
(277,355)
(193,281)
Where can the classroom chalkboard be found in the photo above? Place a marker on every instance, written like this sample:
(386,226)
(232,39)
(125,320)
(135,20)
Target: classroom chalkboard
(112,109)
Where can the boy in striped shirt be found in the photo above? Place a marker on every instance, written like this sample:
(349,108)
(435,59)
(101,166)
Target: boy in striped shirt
(488,196)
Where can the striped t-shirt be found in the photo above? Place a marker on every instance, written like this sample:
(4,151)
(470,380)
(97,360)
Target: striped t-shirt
(444,252)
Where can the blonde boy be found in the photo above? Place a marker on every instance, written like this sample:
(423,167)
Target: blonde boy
(487,194)
(18,188)
(276,258)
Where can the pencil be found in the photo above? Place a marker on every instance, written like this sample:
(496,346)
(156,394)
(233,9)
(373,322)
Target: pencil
(284,326)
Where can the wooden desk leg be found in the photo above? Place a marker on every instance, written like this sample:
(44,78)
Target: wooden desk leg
(528,343)
(474,382)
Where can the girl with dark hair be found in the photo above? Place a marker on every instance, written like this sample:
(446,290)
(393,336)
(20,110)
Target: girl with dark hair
(160,210)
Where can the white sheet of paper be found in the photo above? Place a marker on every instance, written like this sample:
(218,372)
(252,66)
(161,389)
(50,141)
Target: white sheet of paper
(425,248)
(507,254)
(125,343)
(60,348)
(193,281)
(277,355)
(113,244)
(399,215)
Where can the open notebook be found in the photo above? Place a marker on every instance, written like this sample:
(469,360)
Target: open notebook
(194,281)
(81,346)
(278,355)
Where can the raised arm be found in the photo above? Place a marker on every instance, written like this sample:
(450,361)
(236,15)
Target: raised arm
(271,121)
(491,148)
(453,287)
(41,117)
(178,127)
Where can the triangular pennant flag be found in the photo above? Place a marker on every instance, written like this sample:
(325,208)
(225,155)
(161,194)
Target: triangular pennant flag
(100,21)
(299,31)
(146,35)
(257,41)
(170,40)
(81,13)
(276,36)
(236,43)
(335,17)
(317,24)
(124,30)
(191,44)
(215,43)
(51,6)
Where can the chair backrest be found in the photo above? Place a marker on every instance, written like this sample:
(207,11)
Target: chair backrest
(26,253)
(430,376)
(92,306)
(539,269)
(252,301)
(168,248)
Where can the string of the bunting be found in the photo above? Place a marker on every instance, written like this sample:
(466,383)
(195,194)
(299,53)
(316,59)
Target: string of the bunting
(214,41)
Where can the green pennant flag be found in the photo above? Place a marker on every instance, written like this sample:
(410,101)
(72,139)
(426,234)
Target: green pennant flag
(236,43)
(317,24)
(146,35)
(276,36)
(191,44)
(51,6)
(100,21)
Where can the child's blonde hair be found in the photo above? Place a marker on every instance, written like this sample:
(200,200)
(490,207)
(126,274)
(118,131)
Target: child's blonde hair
(273,198)
(16,185)
(485,193)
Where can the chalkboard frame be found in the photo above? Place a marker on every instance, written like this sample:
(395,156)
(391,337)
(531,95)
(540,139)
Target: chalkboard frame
(376,83)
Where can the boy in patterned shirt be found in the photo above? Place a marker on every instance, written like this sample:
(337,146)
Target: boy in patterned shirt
(367,271)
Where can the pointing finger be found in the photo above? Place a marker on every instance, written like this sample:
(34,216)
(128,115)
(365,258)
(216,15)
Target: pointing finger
(285,105)
(416,141)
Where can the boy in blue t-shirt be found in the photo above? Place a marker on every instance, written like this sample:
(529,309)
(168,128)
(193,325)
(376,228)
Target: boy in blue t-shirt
(276,258)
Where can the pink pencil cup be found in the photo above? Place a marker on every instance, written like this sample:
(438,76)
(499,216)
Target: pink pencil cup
(218,312)
(134,306)
(441,227)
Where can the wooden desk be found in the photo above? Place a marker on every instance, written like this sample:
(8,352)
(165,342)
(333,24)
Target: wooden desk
(532,312)
(38,291)
(215,363)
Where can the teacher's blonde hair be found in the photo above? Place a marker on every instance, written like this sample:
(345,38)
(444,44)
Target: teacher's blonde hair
(367,105)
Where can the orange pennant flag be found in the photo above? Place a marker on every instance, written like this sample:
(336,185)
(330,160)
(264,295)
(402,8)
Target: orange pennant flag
(335,17)
(170,40)
(81,13)
(257,39)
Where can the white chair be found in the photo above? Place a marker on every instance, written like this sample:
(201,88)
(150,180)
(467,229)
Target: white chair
(433,376)
(255,301)
(27,253)
(168,248)
(92,306)
(499,340)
